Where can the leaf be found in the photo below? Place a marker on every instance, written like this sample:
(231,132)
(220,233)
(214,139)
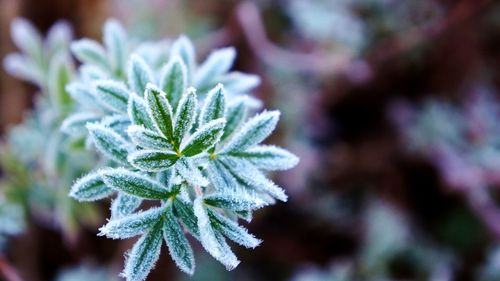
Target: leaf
(184,211)
(134,184)
(234,231)
(82,94)
(143,256)
(173,80)
(220,177)
(137,111)
(214,106)
(234,201)
(183,47)
(118,123)
(190,172)
(244,171)
(178,245)
(211,240)
(217,63)
(237,82)
(112,94)
(90,188)
(91,52)
(160,111)
(23,68)
(153,160)
(269,157)
(148,139)
(124,205)
(27,39)
(75,124)
(109,142)
(185,115)
(115,40)
(58,37)
(253,131)
(132,225)
(204,138)
(236,114)
(60,73)
(89,73)
(139,74)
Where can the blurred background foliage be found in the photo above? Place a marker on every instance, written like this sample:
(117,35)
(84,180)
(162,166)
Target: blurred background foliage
(392,105)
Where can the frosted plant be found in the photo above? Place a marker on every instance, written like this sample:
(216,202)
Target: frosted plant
(39,161)
(192,151)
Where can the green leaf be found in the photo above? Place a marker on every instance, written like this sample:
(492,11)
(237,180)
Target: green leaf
(217,63)
(204,138)
(235,201)
(124,205)
(27,39)
(134,184)
(233,231)
(237,82)
(24,68)
(90,188)
(153,160)
(148,139)
(137,111)
(183,47)
(60,73)
(115,40)
(139,74)
(185,115)
(143,256)
(214,106)
(173,80)
(109,142)
(91,52)
(236,114)
(178,245)
(188,171)
(269,157)
(132,225)
(112,94)
(160,111)
(184,211)
(75,124)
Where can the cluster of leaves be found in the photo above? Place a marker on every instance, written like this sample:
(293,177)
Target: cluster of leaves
(175,132)
(38,160)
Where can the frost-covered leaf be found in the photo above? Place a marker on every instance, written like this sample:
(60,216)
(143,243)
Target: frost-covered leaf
(204,138)
(23,68)
(75,124)
(183,47)
(83,94)
(134,184)
(236,114)
(214,106)
(124,205)
(211,240)
(173,80)
(247,173)
(27,38)
(91,52)
(115,40)
(90,188)
(143,256)
(238,82)
(190,172)
(118,123)
(109,142)
(139,74)
(153,160)
(269,157)
(58,37)
(90,72)
(147,139)
(185,115)
(217,63)
(221,178)
(59,74)
(234,201)
(253,131)
(112,94)
(137,111)
(178,245)
(132,225)
(184,211)
(160,111)
(233,231)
